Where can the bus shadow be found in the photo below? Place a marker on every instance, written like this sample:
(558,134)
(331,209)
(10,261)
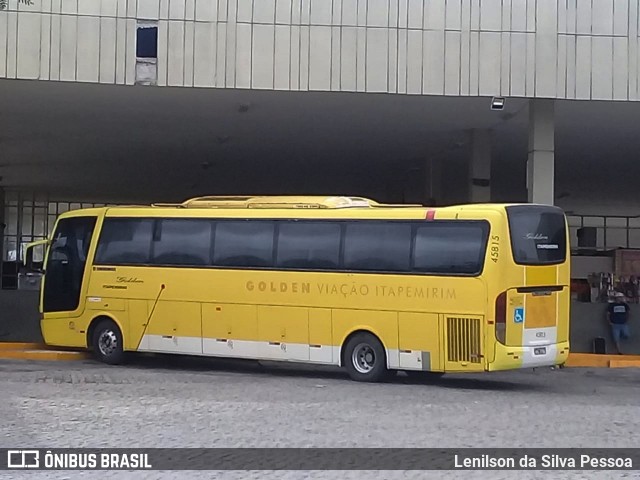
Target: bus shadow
(196,364)
(454,382)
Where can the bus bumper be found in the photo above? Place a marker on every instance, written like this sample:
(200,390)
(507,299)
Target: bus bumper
(62,332)
(510,358)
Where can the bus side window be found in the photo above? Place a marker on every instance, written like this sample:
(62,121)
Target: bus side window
(308,245)
(244,244)
(182,242)
(449,248)
(379,246)
(125,241)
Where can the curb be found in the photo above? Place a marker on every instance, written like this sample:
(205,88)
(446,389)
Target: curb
(19,346)
(602,361)
(37,351)
(48,355)
(624,363)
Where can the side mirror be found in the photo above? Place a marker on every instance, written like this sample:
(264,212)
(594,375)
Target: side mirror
(29,261)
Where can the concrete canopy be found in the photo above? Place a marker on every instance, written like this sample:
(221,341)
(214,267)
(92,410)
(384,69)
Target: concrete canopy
(119,143)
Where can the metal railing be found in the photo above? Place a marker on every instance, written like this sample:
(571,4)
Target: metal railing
(612,231)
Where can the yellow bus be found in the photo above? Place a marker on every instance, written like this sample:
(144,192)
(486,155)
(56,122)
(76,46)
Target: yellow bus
(343,281)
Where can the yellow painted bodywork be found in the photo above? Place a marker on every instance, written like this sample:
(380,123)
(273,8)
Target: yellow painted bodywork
(408,313)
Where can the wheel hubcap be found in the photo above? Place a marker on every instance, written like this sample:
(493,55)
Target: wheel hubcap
(363,358)
(107,342)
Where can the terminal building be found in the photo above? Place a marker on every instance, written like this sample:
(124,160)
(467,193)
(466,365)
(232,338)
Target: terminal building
(431,101)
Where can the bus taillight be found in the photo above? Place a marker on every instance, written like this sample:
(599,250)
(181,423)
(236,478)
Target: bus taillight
(501,317)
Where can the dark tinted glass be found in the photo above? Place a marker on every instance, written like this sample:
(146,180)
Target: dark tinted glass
(125,241)
(377,246)
(66,262)
(449,248)
(538,235)
(244,244)
(147,42)
(182,242)
(308,245)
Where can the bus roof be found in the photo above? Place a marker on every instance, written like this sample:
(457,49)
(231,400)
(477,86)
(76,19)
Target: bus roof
(312,201)
(282,202)
(316,203)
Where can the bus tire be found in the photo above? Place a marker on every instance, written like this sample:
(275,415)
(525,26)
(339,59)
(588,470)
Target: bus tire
(365,358)
(107,343)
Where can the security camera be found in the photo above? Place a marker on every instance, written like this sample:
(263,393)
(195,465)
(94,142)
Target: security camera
(497,103)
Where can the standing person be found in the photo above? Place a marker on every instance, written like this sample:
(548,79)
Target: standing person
(618,317)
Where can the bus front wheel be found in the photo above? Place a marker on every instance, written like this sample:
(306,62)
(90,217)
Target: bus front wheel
(365,359)
(107,343)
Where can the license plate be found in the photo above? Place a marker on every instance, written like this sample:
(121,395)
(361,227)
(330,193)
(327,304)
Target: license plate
(540,351)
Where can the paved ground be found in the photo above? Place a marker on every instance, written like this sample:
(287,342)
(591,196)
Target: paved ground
(170,402)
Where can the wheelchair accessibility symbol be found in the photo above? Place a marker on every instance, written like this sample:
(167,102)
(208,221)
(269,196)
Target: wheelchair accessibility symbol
(518,315)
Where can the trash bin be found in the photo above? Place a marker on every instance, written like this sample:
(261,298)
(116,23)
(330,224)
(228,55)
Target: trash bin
(599,346)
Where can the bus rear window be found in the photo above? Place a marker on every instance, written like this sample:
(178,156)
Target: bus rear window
(538,234)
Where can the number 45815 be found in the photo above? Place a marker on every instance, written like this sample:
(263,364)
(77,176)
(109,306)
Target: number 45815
(494,248)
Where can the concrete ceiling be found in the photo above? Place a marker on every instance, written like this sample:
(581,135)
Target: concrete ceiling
(142,143)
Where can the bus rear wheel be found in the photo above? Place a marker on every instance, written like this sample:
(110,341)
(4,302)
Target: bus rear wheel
(365,359)
(107,343)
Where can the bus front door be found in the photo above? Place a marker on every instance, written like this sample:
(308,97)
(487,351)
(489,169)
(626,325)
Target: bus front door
(64,274)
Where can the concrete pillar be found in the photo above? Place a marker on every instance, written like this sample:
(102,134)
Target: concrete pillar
(480,167)
(433,181)
(540,161)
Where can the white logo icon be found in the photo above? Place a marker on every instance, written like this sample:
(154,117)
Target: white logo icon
(536,236)
(23,459)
